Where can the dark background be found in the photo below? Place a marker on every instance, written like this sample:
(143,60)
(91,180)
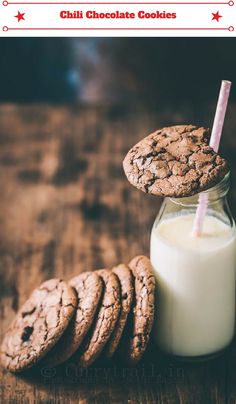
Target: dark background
(154,71)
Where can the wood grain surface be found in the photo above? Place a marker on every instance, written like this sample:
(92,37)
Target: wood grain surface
(66,207)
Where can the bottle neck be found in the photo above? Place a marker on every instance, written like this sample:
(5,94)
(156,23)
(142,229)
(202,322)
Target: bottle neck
(214,194)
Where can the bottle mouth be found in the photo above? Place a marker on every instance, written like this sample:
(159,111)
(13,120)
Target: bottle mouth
(221,187)
(214,193)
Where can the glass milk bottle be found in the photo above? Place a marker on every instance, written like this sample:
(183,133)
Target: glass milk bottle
(195,276)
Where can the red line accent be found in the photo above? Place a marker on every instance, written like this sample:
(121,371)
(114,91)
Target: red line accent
(107,4)
(120,29)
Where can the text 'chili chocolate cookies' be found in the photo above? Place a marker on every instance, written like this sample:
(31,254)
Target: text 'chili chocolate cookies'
(175,161)
(38,325)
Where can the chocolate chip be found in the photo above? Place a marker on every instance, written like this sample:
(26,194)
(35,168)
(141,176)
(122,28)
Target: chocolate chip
(27,332)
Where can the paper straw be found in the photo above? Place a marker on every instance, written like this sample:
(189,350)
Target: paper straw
(214,143)
(220,115)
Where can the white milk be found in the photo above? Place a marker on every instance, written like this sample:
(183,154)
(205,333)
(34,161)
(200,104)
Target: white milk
(195,286)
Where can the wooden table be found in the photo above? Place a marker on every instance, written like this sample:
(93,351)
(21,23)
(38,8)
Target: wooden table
(66,207)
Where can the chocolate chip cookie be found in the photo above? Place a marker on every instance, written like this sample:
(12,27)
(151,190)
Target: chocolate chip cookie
(89,287)
(142,315)
(175,161)
(38,325)
(127,290)
(105,321)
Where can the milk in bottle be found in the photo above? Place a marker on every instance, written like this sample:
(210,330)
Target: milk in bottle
(195,314)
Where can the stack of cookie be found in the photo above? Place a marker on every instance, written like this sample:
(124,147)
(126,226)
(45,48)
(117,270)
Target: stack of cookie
(95,312)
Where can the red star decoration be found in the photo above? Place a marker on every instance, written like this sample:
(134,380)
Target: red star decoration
(216,16)
(20,16)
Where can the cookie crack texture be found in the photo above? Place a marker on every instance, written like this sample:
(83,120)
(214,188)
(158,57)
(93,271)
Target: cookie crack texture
(89,287)
(27,313)
(127,291)
(143,308)
(175,161)
(38,325)
(104,299)
(106,318)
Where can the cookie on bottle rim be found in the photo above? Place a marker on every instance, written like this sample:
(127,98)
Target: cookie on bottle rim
(175,161)
(89,287)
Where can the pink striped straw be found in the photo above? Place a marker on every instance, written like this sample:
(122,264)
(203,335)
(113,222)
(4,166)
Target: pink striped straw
(214,143)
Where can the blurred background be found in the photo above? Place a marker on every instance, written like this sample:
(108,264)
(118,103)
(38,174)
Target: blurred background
(140,84)
(150,71)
